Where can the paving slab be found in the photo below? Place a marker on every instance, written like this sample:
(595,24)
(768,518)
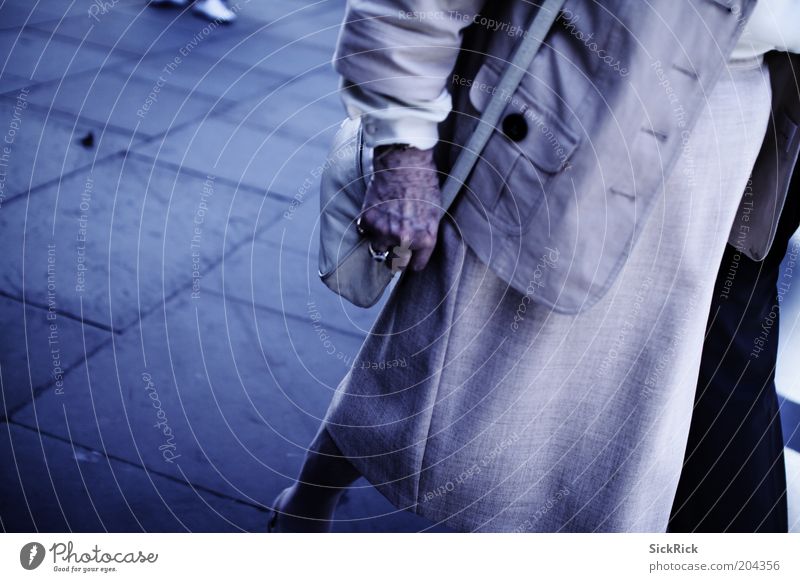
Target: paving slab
(215,392)
(37,56)
(127,102)
(116,30)
(315,23)
(45,146)
(121,209)
(166,16)
(297,229)
(36,348)
(15,14)
(50,485)
(278,162)
(238,409)
(148,232)
(194,74)
(261,49)
(308,104)
(240,389)
(10,82)
(282,9)
(278,277)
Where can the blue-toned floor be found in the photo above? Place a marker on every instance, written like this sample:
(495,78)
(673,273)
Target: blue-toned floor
(167,349)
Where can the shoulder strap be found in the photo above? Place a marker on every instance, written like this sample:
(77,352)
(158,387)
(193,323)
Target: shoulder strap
(508,84)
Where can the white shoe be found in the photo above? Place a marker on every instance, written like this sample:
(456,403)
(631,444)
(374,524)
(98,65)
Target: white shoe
(169,3)
(214,10)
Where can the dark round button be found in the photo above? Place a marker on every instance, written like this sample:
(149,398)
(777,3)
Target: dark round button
(515,127)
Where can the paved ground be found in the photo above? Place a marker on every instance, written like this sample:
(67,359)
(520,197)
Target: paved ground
(159,364)
(160,368)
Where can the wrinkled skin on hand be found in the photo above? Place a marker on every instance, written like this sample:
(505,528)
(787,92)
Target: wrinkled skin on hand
(402,206)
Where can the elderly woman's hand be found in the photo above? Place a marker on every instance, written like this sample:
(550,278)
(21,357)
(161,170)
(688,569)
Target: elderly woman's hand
(403,204)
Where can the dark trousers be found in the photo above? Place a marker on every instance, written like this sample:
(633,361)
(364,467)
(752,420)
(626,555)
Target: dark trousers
(734,478)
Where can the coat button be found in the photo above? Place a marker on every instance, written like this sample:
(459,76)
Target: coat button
(515,127)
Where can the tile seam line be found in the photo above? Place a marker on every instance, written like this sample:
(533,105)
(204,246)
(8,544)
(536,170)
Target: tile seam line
(59,311)
(45,387)
(113,457)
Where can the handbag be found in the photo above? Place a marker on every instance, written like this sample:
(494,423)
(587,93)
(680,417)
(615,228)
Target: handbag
(346,265)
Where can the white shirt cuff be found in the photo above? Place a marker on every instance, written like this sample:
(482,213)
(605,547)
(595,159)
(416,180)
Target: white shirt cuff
(387,120)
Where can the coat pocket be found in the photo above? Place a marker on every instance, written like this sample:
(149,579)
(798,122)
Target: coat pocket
(528,149)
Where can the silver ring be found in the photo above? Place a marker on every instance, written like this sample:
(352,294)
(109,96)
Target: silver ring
(378,256)
(359,228)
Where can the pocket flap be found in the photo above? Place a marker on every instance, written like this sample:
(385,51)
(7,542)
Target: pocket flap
(536,131)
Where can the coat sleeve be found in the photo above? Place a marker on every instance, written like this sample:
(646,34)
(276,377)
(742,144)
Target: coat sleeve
(394,57)
(773,25)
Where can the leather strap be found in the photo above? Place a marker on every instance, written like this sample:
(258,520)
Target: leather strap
(508,84)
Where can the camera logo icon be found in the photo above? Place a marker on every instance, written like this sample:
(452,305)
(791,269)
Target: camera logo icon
(31,555)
